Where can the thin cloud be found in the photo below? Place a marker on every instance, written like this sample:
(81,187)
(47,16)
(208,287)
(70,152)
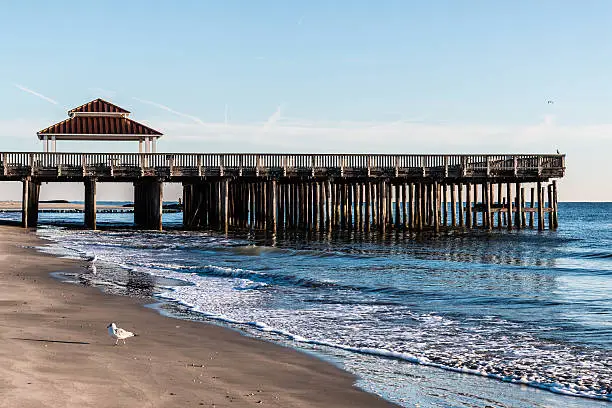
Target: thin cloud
(41,96)
(166,108)
(275,117)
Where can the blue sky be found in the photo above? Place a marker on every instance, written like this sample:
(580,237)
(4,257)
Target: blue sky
(390,76)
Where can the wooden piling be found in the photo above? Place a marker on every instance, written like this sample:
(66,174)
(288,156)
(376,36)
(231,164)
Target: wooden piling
(475,207)
(411,223)
(499,205)
(509,203)
(523,211)
(468,207)
(403,198)
(460,203)
(532,206)
(368,221)
(436,202)
(321,204)
(518,216)
(453,206)
(540,207)
(375,214)
(148,201)
(397,216)
(551,214)
(555,206)
(488,218)
(90,203)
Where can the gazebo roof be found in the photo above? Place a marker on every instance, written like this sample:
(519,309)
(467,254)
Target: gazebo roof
(99,120)
(98,106)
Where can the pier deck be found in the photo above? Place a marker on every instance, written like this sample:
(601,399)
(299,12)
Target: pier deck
(308,191)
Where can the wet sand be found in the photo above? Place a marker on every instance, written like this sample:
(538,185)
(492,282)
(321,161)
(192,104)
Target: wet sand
(56,351)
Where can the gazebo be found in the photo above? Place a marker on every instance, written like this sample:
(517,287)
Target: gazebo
(99,120)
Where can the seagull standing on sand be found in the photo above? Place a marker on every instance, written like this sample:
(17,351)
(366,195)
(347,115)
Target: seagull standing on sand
(118,333)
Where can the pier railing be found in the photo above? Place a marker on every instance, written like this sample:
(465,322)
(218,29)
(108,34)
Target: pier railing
(130,165)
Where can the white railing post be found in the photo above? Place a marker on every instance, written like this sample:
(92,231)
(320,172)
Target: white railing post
(515,160)
(488,165)
(285,166)
(4,163)
(257,164)
(221,165)
(539,165)
(312,165)
(369,165)
(396,166)
(199,165)
(84,164)
(423,165)
(445,166)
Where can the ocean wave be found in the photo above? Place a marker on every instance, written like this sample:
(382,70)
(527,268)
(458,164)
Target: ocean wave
(597,255)
(520,374)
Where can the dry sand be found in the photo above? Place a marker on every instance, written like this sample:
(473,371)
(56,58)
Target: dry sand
(56,351)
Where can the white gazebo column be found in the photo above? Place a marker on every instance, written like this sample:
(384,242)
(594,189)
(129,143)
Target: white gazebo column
(140,146)
(44,140)
(54,144)
(153,144)
(147,146)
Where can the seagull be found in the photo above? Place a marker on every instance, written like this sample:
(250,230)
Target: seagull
(550,102)
(118,333)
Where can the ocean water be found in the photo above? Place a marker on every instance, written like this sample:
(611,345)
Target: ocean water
(499,319)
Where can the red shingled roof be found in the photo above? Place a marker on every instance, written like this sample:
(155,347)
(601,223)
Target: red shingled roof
(98,105)
(98,118)
(99,125)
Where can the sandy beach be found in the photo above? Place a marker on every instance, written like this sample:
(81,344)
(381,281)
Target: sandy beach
(56,351)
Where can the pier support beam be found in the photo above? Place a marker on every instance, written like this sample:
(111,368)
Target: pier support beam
(509,201)
(555,205)
(436,207)
(453,208)
(488,219)
(540,207)
(148,195)
(460,202)
(518,219)
(29,203)
(90,203)
(468,207)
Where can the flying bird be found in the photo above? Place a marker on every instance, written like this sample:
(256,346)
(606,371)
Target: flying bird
(118,333)
(550,102)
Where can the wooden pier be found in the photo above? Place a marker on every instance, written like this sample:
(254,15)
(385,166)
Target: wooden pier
(312,192)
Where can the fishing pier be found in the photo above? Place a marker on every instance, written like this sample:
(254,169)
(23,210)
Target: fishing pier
(309,192)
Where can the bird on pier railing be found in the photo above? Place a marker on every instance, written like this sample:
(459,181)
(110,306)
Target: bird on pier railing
(558,151)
